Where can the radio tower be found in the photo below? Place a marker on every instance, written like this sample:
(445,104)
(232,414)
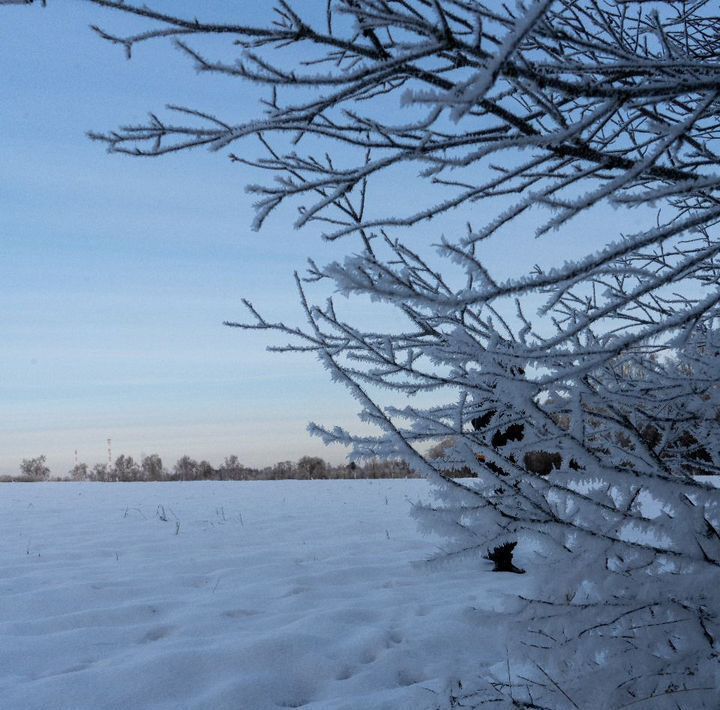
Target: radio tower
(109,442)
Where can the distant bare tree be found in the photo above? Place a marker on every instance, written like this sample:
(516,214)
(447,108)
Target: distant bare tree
(230,468)
(283,469)
(100,472)
(186,469)
(79,472)
(152,468)
(311,467)
(125,469)
(35,469)
(205,471)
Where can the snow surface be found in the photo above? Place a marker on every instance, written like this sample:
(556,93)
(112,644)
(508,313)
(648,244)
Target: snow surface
(250,595)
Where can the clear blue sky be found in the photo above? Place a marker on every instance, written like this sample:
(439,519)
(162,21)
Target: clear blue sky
(117,273)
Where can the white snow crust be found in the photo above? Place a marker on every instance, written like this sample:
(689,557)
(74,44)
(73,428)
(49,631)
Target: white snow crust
(249,595)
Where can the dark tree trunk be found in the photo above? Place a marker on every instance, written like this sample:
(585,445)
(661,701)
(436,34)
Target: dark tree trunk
(502,558)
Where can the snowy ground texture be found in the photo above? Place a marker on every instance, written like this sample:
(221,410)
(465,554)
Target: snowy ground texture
(249,595)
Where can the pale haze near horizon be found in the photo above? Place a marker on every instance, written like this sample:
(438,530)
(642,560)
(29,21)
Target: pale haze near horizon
(117,273)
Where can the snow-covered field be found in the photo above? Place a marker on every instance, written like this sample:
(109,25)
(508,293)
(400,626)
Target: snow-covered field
(249,595)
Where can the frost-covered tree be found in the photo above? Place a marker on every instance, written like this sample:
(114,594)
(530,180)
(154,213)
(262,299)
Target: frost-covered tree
(509,118)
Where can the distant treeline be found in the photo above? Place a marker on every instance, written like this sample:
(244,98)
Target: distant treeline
(150,468)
